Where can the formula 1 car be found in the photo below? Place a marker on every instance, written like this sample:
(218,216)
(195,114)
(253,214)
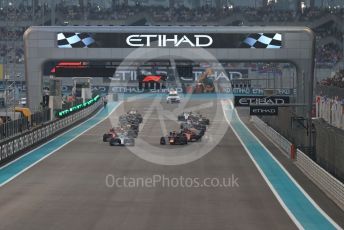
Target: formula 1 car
(114,132)
(107,136)
(196,125)
(129,131)
(174,139)
(122,140)
(193,134)
(193,117)
(130,126)
(199,119)
(134,113)
(132,123)
(184,116)
(129,119)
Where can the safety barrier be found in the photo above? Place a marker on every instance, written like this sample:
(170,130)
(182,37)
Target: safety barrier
(12,128)
(276,138)
(13,146)
(332,187)
(325,181)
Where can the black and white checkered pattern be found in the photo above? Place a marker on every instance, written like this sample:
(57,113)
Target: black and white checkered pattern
(74,40)
(263,40)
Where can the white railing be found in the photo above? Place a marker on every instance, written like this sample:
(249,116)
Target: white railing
(274,136)
(325,181)
(332,187)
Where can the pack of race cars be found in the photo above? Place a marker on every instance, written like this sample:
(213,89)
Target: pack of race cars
(127,130)
(192,129)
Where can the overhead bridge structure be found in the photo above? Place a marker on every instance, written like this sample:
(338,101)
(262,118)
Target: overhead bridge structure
(130,44)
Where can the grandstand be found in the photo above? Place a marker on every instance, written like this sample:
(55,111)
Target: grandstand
(95,92)
(325,20)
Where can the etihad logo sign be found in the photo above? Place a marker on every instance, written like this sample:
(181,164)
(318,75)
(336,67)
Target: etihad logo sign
(260,100)
(170,40)
(264,110)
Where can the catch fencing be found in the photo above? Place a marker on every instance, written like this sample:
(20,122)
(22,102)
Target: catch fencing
(329,147)
(10,148)
(329,91)
(332,187)
(331,110)
(14,127)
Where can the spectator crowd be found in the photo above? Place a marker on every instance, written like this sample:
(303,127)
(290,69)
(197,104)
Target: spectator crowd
(327,55)
(200,14)
(337,80)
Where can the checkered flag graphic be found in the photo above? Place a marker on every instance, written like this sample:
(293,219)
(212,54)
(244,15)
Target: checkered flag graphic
(74,40)
(263,40)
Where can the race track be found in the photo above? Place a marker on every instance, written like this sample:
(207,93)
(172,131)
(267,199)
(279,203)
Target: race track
(68,189)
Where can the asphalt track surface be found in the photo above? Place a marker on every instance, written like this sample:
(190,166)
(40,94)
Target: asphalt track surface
(68,189)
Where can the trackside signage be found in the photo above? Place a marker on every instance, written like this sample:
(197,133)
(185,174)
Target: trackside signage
(197,40)
(260,100)
(270,110)
(168,40)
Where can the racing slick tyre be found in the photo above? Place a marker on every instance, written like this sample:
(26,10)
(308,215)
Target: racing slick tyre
(106,137)
(162,141)
(130,142)
(184,140)
(201,134)
(181,118)
(115,142)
